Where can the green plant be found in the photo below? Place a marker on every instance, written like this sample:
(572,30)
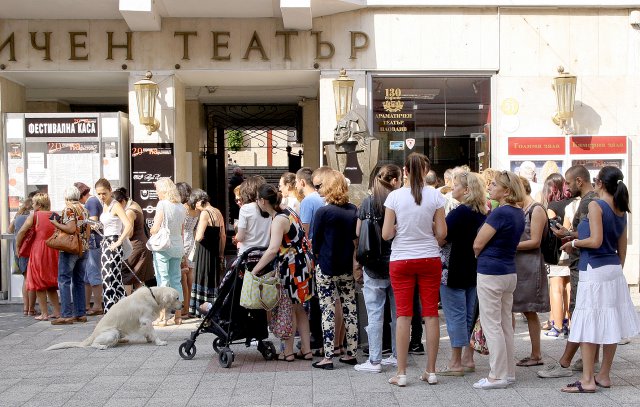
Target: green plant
(234,140)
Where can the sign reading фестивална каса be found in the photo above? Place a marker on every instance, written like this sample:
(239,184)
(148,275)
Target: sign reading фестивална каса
(61,126)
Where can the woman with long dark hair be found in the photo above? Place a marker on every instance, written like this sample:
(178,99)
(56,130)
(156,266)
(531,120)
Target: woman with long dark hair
(604,312)
(377,285)
(289,247)
(414,219)
(556,197)
(116,228)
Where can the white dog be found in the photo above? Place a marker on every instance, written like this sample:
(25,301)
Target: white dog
(131,317)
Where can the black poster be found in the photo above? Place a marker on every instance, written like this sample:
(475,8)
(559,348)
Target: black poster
(149,162)
(61,126)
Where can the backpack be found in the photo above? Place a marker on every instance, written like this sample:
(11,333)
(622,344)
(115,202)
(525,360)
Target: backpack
(369,251)
(550,243)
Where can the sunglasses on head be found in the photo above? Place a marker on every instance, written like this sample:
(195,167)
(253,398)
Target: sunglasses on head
(317,187)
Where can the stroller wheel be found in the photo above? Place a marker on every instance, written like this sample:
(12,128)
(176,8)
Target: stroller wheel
(187,351)
(225,357)
(217,344)
(268,351)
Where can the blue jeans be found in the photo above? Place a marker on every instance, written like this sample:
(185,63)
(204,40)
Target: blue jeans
(459,305)
(91,264)
(71,282)
(375,295)
(168,271)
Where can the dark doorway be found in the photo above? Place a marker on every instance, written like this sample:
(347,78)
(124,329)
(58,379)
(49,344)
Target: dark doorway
(258,138)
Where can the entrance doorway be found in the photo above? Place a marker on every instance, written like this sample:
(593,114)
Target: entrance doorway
(259,139)
(445,118)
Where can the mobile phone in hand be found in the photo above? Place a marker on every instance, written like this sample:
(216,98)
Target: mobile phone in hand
(54,216)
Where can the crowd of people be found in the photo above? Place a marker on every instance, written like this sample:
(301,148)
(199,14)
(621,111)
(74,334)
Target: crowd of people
(473,246)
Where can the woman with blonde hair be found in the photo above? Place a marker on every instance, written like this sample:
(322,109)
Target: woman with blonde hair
(116,228)
(495,248)
(334,231)
(414,219)
(458,284)
(42,269)
(287,187)
(169,214)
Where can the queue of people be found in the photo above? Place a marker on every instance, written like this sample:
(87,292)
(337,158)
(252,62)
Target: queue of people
(474,246)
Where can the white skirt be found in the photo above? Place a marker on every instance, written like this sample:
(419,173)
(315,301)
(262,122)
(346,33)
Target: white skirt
(604,312)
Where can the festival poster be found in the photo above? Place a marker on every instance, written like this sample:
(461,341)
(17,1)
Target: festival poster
(149,162)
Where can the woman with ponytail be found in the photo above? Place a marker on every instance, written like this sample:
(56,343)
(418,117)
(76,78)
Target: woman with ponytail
(414,219)
(377,285)
(604,312)
(290,253)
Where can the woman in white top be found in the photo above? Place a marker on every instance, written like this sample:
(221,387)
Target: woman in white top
(287,187)
(414,219)
(190,224)
(254,228)
(171,214)
(116,228)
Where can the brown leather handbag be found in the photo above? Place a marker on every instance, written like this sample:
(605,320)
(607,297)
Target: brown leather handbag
(66,242)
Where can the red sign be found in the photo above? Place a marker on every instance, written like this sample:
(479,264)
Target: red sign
(536,145)
(598,145)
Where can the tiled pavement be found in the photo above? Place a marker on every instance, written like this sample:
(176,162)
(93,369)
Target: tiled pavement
(147,375)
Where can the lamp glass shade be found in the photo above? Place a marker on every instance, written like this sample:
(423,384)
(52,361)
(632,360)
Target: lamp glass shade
(146,92)
(342,94)
(565,86)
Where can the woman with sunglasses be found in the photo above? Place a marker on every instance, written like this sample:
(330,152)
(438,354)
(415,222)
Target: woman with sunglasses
(495,248)
(604,312)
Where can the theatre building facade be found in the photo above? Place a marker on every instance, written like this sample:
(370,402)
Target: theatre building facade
(253,84)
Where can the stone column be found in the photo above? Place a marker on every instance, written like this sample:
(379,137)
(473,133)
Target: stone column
(12,100)
(170,112)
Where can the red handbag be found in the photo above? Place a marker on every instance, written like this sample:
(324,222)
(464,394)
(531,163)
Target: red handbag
(27,241)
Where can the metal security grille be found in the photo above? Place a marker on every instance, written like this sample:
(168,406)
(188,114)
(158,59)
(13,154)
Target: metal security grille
(266,128)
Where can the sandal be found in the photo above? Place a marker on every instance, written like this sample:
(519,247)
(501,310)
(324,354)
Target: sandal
(445,371)
(303,356)
(25,312)
(399,380)
(285,358)
(576,387)
(94,312)
(32,312)
(42,317)
(430,378)
(528,361)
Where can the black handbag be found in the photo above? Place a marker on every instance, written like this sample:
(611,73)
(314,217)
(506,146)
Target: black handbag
(370,245)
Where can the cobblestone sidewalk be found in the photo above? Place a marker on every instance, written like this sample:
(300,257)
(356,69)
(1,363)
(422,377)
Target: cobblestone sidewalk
(146,375)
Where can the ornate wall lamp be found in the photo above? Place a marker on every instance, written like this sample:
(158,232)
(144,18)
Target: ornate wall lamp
(565,87)
(342,94)
(146,92)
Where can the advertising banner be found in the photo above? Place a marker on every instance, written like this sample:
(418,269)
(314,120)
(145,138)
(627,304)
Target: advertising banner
(149,162)
(61,126)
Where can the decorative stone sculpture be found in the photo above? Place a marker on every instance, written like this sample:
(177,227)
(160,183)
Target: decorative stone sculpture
(355,154)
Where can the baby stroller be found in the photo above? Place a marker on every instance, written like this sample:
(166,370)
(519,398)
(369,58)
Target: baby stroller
(228,321)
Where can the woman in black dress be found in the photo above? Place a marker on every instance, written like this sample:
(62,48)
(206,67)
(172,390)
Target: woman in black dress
(210,241)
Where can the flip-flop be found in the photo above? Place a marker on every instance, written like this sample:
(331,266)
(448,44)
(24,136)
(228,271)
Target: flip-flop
(576,388)
(445,371)
(601,385)
(527,362)
(285,358)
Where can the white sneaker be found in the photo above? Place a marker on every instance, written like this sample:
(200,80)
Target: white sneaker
(368,367)
(390,361)
(485,384)
(577,366)
(554,371)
